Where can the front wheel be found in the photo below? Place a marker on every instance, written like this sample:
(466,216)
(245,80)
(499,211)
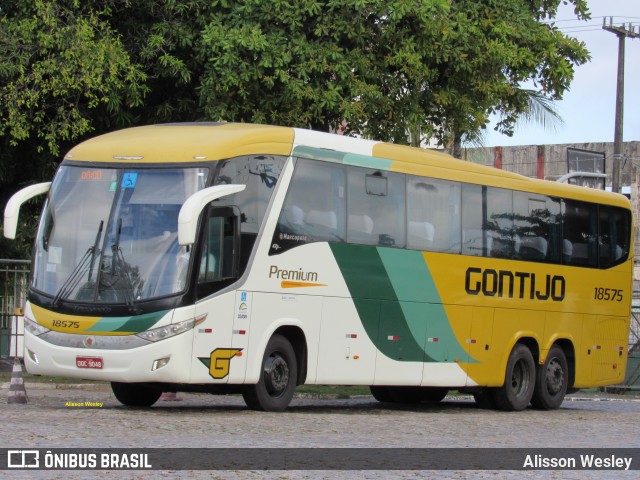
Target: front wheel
(135,394)
(277,382)
(519,382)
(551,381)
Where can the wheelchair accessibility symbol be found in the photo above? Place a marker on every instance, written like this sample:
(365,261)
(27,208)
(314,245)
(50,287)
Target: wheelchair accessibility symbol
(129,180)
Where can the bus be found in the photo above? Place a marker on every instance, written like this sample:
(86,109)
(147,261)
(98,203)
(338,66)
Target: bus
(250,259)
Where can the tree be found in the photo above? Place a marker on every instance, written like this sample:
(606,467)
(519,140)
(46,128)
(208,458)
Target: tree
(390,68)
(440,68)
(61,60)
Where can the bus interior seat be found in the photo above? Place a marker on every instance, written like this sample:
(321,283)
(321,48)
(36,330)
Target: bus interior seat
(472,242)
(501,246)
(605,252)
(567,251)
(293,219)
(421,234)
(360,228)
(323,222)
(533,248)
(580,254)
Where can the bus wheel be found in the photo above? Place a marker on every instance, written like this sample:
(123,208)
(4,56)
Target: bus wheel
(406,395)
(433,394)
(274,390)
(484,398)
(551,381)
(519,382)
(381,394)
(135,394)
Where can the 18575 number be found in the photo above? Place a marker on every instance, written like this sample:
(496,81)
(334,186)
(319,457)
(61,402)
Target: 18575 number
(608,294)
(66,324)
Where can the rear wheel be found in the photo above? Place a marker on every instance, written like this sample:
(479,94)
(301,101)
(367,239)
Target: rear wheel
(135,394)
(484,398)
(519,382)
(274,390)
(551,381)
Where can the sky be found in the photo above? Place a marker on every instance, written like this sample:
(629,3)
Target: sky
(588,107)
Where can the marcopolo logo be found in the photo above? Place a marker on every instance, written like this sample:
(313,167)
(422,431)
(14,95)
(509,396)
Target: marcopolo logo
(521,285)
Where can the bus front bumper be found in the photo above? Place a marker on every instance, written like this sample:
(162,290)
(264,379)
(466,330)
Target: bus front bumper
(167,360)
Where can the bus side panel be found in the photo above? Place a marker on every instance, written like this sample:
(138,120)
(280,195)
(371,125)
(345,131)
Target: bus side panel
(345,354)
(271,311)
(402,329)
(508,327)
(482,349)
(606,350)
(213,354)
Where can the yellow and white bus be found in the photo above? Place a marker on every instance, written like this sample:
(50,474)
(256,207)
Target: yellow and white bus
(236,258)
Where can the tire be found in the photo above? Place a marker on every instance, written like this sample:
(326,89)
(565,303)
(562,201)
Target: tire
(519,382)
(135,394)
(381,394)
(433,394)
(405,395)
(484,399)
(279,372)
(552,380)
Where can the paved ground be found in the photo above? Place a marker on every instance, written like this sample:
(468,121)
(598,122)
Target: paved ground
(205,421)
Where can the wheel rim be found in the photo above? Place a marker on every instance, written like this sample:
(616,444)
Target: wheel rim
(554,376)
(520,378)
(276,375)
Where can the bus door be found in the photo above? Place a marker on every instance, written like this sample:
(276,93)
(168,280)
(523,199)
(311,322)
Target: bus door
(217,268)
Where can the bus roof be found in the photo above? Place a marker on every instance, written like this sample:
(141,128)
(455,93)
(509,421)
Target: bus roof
(211,141)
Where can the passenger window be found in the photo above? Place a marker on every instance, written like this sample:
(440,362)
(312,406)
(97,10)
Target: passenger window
(314,209)
(433,215)
(537,227)
(498,223)
(376,205)
(580,233)
(615,226)
(475,241)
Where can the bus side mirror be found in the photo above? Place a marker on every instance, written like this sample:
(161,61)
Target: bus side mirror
(193,206)
(12,210)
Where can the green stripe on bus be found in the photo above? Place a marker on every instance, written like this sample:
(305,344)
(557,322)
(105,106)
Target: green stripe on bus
(420,301)
(377,305)
(314,153)
(355,159)
(398,303)
(367,161)
(134,324)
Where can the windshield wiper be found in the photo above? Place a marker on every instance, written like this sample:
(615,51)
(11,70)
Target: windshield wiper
(117,260)
(86,262)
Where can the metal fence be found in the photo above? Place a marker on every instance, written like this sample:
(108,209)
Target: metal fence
(632,380)
(14,279)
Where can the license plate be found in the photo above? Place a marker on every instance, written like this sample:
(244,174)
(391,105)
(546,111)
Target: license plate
(89,362)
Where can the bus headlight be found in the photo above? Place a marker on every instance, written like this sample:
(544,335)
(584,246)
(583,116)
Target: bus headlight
(168,331)
(34,328)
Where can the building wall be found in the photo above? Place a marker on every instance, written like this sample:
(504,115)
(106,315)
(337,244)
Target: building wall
(550,161)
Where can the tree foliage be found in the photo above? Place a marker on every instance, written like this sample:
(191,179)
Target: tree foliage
(59,64)
(398,70)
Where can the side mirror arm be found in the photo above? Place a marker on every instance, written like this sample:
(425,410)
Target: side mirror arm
(12,210)
(193,206)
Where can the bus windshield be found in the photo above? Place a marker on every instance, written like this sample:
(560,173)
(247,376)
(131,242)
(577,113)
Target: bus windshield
(109,235)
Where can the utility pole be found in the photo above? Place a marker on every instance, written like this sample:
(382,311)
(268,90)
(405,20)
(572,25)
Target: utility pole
(622,33)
